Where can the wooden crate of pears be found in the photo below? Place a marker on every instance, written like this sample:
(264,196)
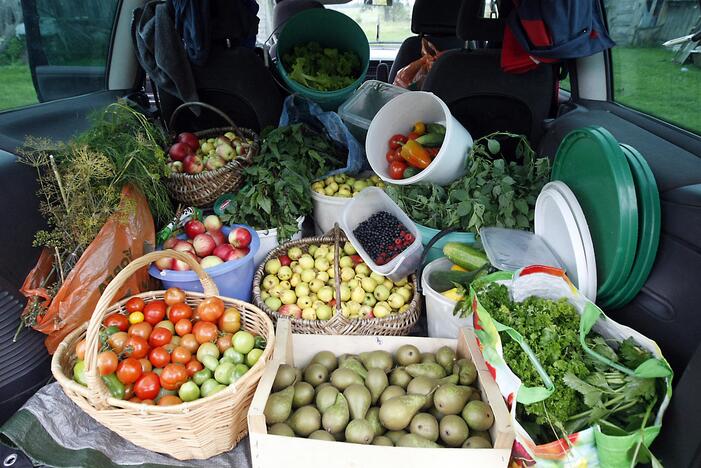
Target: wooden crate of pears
(377,401)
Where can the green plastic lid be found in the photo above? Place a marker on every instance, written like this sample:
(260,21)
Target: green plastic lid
(592,164)
(648,199)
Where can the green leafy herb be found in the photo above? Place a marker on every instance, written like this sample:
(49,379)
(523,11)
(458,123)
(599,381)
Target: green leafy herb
(321,68)
(276,189)
(494,192)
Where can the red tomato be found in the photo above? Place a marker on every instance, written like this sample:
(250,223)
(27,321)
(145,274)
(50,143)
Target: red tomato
(433,152)
(205,332)
(168,400)
(159,357)
(224,342)
(193,366)
(230,322)
(147,387)
(412,136)
(396,141)
(154,312)
(178,312)
(173,376)
(141,329)
(183,327)
(80,349)
(118,320)
(174,296)
(136,347)
(180,355)
(129,371)
(129,392)
(189,342)
(117,341)
(393,155)
(135,304)
(107,362)
(135,399)
(146,365)
(210,309)
(160,337)
(396,170)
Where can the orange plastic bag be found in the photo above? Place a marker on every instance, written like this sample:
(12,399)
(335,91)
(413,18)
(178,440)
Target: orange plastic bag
(127,234)
(413,75)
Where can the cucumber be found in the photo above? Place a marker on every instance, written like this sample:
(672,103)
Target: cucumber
(444,280)
(430,139)
(465,256)
(435,128)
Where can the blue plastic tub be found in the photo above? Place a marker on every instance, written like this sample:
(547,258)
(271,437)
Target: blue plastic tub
(436,251)
(233,278)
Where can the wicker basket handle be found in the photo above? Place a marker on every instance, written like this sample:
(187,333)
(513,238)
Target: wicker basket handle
(98,393)
(204,105)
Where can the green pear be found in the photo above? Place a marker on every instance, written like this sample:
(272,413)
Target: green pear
(341,378)
(376,381)
(281,429)
(359,431)
(396,413)
(413,440)
(400,377)
(326,359)
(305,420)
(424,425)
(453,430)
(321,435)
(478,415)
(476,442)
(359,399)
(355,365)
(373,417)
(451,398)
(325,398)
(304,394)
(445,356)
(382,440)
(394,436)
(391,392)
(336,417)
(285,377)
(315,374)
(431,370)
(467,371)
(408,354)
(377,359)
(279,406)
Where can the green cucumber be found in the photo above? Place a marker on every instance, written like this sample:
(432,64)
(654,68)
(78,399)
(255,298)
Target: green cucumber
(435,128)
(410,172)
(444,280)
(430,139)
(465,256)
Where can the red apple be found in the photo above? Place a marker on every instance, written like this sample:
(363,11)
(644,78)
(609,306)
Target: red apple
(212,223)
(240,237)
(211,261)
(170,243)
(179,265)
(190,139)
(238,253)
(284,260)
(183,246)
(179,152)
(193,228)
(164,263)
(291,310)
(357,259)
(204,245)
(193,164)
(223,251)
(219,237)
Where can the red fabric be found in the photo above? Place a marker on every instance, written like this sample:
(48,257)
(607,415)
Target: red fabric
(537,32)
(514,58)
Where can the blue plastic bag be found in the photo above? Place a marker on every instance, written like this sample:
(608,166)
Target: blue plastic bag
(297,109)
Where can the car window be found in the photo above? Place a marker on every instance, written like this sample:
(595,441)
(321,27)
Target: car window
(383,25)
(658,79)
(52,49)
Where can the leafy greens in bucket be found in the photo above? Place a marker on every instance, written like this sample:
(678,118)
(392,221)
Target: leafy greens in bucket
(495,191)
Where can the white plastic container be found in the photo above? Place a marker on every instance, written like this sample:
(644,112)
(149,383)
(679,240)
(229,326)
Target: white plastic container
(327,211)
(399,116)
(358,111)
(439,309)
(368,202)
(268,241)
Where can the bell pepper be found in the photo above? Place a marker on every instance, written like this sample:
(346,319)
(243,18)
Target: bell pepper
(416,155)
(396,141)
(419,128)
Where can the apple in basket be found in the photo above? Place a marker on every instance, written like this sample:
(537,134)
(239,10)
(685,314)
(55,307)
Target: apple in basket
(164,263)
(240,237)
(226,152)
(238,253)
(211,261)
(223,251)
(193,164)
(179,265)
(204,245)
(190,139)
(212,223)
(179,151)
(219,237)
(170,242)
(215,162)
(285,260)
(292,310)
(184,246)
(193,228)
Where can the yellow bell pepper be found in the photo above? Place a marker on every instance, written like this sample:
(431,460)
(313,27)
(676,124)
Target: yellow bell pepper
(453,295)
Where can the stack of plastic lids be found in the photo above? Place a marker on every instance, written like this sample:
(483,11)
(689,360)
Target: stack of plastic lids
(621,206)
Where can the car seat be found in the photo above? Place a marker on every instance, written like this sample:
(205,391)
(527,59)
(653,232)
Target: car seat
(435,20)
(479,93)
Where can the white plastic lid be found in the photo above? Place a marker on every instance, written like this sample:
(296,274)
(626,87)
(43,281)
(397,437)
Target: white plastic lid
(511,249)
(367,101)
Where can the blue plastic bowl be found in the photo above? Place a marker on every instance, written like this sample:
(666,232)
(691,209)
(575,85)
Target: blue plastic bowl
(436,251)
(233,278)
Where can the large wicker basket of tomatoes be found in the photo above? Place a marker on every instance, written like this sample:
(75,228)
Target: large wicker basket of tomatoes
(171,371)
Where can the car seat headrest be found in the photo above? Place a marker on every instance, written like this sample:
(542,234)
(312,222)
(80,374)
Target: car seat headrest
(286,9)
(473,26)
(435,17)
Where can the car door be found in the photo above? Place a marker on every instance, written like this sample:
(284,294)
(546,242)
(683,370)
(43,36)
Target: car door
(648,95)
(59,61)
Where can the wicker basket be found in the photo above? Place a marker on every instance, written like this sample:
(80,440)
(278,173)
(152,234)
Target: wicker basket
(203,189)
(195,430)
(398,324)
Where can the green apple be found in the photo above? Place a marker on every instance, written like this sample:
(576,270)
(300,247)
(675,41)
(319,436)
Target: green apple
(315,285)
(369,300)
(381,309)
(312,249)
(306,262)
(304,302)
(297,269)
(272,266)
(302,289)
(368,284)
(288,297)
(270,281)
(322,251)
(349,249)
(354,283)
(365,311)
(273,303)
(347,273)
(388,284)
(402,281)
(321,264)
(325,294)
(362,269)
(323,312)
(330,256)
(377,277)
(308,275)
(358,294)
(406,293)
(309,314)
(264,295)
(346,261)
(285,285)
(284,273)
(331,272)
(295,253)
(322,276)
(395,300)
(381,292)
(295,280)
(354,307)
(345,292)
(276,291)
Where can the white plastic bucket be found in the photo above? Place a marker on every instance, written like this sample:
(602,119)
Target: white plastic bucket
(361,207)
(268,241)
(399,116)
(439,309)
(327,211)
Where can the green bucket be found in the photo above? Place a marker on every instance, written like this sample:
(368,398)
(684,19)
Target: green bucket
(436,250)
(330,29)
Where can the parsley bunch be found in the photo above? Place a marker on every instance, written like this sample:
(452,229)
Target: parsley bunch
(496,190)
(324,69)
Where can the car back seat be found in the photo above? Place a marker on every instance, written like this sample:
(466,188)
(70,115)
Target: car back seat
(435,20)
(482,96)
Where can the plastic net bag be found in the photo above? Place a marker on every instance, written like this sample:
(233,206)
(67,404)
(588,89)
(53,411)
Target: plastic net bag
(413,75)
(128,234)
